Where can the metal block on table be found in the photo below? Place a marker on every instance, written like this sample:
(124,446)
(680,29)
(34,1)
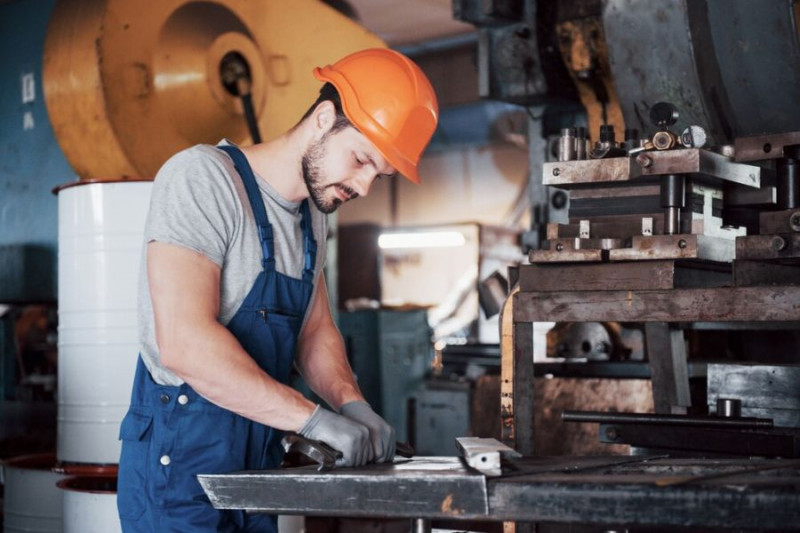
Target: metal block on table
(430,487)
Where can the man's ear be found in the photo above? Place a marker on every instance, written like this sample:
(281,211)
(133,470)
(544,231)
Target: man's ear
(323,117)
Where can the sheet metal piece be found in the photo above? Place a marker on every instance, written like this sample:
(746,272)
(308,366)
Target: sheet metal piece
(431,487)
(485,455)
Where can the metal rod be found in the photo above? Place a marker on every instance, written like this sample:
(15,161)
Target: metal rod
(665,420)
(673,199)
(566,145)
(420,525)
(788,183)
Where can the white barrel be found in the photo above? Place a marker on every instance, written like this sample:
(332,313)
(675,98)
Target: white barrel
(90,505)
(100,233)
(32,502)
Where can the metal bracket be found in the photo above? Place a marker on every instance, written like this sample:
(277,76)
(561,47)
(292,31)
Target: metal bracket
(485,455)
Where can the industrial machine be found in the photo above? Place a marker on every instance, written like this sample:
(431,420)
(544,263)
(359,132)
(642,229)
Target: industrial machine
(669,207)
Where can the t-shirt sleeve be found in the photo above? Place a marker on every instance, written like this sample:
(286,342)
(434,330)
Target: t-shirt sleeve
(193,204)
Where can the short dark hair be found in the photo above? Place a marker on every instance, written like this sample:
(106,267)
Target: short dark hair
(329,92)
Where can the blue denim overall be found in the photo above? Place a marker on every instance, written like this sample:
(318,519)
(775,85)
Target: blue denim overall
(171,434)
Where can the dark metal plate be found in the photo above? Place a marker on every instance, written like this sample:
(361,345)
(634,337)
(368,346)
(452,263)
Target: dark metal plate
(432,487)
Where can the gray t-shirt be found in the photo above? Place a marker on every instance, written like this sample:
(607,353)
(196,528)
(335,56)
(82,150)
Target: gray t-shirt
(199,202)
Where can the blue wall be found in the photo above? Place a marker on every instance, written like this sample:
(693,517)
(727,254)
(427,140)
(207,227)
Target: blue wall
(31,162)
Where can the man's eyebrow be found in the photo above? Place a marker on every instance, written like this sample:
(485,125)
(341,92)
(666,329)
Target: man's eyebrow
(372,162)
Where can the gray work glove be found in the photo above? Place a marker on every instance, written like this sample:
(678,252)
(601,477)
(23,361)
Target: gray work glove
(381,433)
(343,434)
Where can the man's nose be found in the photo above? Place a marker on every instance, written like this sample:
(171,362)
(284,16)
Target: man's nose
(362,182)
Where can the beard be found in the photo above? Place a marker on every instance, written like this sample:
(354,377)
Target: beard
(323,196)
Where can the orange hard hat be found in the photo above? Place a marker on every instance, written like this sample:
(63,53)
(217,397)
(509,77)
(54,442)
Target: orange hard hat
(389,99)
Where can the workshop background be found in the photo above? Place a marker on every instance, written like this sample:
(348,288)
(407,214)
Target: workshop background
(601,259)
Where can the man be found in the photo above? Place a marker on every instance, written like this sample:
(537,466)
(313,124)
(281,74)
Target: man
(232,296)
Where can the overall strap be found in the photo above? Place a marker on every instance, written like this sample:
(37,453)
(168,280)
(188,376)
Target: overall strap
(309,243)
(265,234)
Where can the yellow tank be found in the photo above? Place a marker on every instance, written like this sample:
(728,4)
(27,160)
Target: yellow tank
(128,84)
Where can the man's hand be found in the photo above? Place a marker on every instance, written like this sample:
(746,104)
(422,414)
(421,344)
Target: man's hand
(343,434)
(381,433)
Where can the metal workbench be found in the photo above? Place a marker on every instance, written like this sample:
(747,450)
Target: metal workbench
(601,490)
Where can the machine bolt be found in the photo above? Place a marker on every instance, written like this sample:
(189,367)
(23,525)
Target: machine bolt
(559,247)
(556,171)
(644,160)
(559,200)
(795,221)
(611,433)
(778,244)
(682,244)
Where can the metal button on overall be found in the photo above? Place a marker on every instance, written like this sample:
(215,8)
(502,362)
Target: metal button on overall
(164,398)
(165,460)
(183,399)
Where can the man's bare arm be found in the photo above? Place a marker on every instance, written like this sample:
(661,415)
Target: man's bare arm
(185,287)
(321,356)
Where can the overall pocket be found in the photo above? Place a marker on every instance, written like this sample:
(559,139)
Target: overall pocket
(134,432)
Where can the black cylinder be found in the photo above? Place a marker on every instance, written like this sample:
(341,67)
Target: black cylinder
(673,191)
(607,133)
(788,183)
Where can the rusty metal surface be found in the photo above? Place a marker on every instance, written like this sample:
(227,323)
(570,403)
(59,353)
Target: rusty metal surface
(565,250)
(685,246)
(434,487)
(761,273)
(743,493)
(638,248)
(554,395)
(726,304)
(633,275)
(739,495)
(598,276)
(779,221)
(695,161)
(783,246)
(764,146)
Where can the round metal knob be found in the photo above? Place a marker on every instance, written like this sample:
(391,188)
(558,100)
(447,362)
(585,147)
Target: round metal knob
(663,114)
